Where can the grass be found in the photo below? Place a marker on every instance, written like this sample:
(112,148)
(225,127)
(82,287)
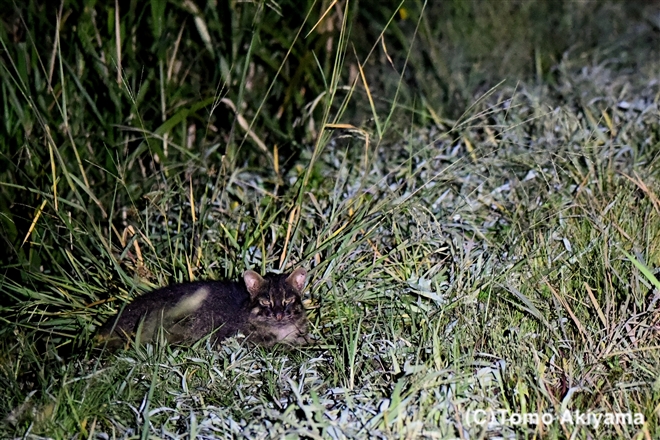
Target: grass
(474,193)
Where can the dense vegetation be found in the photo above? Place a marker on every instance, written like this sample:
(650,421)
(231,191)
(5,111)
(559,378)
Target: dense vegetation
(473,186)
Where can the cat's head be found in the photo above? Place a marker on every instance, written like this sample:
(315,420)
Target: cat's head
(276,299)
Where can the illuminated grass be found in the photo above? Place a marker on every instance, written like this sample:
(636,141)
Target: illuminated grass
(486,249)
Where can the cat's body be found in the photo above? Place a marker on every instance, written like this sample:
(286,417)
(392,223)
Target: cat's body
(266,310)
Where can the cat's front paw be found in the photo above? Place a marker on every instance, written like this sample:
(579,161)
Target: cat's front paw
(305,339)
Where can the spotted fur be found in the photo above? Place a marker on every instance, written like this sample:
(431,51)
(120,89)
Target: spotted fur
(267,310)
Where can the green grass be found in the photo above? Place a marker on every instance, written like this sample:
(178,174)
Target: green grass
(475,196)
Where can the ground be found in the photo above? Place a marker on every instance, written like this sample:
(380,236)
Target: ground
(476,202)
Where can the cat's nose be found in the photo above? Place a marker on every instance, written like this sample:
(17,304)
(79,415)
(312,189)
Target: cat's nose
(279,316)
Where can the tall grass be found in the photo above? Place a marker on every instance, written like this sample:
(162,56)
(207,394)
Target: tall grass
(473,243)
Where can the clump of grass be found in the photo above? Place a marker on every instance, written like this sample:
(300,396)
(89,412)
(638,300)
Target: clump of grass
(500,261)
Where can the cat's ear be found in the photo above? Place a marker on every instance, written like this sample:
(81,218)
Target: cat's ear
(297,279)
(253,282)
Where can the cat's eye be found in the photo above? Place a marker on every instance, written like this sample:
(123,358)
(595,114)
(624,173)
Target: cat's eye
(288,300)
(265,303)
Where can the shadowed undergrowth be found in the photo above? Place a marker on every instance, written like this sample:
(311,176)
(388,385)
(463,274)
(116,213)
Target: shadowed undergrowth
(496,257)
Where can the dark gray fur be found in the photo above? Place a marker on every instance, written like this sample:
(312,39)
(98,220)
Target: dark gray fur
(268,310)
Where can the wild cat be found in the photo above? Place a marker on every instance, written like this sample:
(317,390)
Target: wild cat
(267,310)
